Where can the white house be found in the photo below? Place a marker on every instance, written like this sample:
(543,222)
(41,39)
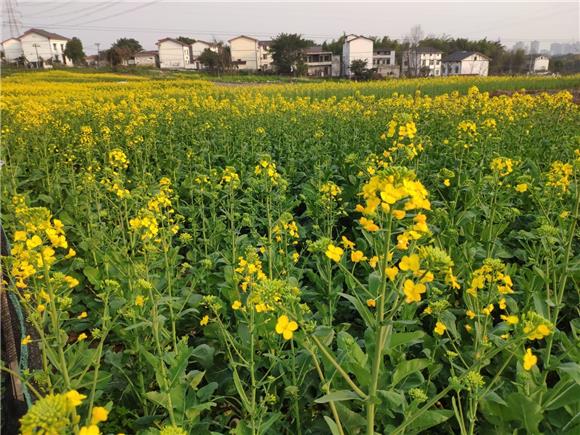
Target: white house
(356,47)
(174,54)
(42,49)
(250,54)
(384,63)
(465,63)
(422,61)
(147,58)
(12,49)
(540,64)
(199,47)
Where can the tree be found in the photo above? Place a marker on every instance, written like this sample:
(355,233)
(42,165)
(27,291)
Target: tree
(123,50)
(413,39)
(287,51)
(186,40)
(218,61)
(210,59)
(358,68)
(74,51)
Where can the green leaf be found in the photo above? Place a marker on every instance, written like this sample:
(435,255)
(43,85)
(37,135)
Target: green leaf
(405,368)
(331,425)
(203,354)
(337,396)
(92,274)
(401,338)
(525,410)
(195,378)
(565,392)
(362,309)
(429,419)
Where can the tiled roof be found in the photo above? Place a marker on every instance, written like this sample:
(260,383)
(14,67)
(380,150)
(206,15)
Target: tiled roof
(44,33)
(458,56)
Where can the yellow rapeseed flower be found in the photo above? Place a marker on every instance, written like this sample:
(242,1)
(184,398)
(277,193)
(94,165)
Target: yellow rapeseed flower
(334,252)
(530,360)
(204,321)
(75,398)
(286,327)
(237,305)
(93,429)
(371,303)
(413,291)
(357,256)
(99,414)
(440,328)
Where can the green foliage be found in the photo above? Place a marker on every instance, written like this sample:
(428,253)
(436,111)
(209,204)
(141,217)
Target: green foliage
(287,51)
(74,50)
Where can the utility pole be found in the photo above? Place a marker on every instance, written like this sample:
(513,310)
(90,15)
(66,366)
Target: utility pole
(37,59)
(98,44)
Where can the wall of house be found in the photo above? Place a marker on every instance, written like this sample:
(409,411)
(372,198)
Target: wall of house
(48,49)
(541,64)
(264,58)
(357,49)
(145,60)
(246,50)
(199,47)
(12,50)
(470,66)
(173,55)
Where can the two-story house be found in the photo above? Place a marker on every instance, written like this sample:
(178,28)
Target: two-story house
(321,63)
(356,47)
(384,63)
(465,63)
(174,54)
(251,54)
(40,49)
(422,62)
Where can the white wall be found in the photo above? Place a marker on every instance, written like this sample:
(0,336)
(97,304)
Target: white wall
(541,64)
(471,66)
(198,47)
(47,48)
(145,60)
(12,49)
(173,55)
(245,49)
(357,49)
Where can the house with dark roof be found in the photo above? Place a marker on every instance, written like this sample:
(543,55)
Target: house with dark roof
(38,47)
(422,62)
(251,54)
(465,63)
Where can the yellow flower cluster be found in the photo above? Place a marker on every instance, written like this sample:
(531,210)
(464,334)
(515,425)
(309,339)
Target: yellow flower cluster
(330,191)
(35,243)
(559,175)
(503,166)
(492,272)
(118,159)
(250,270)
(230,177)
(158,213)
(268,168)
(56,414)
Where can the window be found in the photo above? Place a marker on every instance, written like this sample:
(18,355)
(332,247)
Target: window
(388,61)
(54,46)
(62,47)
(431,62)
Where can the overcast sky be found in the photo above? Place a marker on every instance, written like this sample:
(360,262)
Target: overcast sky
(104,21)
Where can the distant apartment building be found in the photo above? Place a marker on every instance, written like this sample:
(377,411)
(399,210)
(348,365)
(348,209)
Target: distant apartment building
(356,47)
(465,63)
(321,63)
(251,54)
(38,48)
(422,62)
(384,63)
(147,58)
(534,47)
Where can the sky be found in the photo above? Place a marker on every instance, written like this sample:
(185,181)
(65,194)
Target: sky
(103,21)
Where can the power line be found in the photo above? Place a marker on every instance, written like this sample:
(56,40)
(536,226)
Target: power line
(151,3)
